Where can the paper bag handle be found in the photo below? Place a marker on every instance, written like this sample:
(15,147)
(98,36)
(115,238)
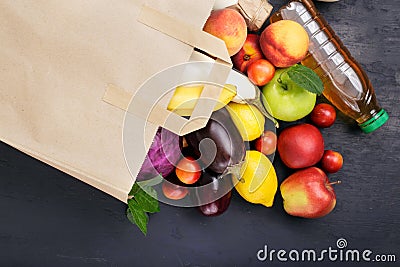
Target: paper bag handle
(195,37)
(146,103)
(186,33)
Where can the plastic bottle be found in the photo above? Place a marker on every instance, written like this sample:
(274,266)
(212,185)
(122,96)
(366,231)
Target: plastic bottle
(345,83)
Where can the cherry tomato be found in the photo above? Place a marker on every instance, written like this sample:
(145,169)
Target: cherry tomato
(331,161)
(266,143)
(173,191)
(260,72)
(188,170)
(323,115)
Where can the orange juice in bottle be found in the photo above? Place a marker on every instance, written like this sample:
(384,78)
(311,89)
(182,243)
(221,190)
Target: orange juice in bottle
(346,85)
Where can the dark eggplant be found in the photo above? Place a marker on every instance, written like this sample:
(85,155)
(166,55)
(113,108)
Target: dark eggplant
(213,193)
(222,134)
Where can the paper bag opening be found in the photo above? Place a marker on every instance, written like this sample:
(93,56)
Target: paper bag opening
(57,59)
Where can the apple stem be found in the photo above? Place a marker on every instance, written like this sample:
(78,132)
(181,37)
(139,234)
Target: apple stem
(279,80)
(246,57)
(335,183)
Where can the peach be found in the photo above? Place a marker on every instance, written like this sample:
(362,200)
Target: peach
(228,25)
(284,43)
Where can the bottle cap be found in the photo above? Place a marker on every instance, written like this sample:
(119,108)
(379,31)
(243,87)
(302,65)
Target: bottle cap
(375,122)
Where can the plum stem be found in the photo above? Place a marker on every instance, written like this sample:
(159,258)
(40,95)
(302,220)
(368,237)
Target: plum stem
(335,183)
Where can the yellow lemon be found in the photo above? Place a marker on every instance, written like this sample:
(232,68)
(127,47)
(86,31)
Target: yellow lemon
(259,183)
(248,119)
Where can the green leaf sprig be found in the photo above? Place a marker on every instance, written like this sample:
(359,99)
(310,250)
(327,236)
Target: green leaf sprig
(305,78)
(143,200)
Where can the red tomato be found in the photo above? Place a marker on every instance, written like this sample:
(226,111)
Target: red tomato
(266,143)
(260,72)
(173,191)
(188,170)
(323,115)
(331,161)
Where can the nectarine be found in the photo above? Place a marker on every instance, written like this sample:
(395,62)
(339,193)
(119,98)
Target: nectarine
(284,43)
(228,25)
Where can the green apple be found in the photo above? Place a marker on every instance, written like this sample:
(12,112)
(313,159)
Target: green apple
(285,100)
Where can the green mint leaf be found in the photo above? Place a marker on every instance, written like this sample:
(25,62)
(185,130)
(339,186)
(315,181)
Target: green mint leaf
(306,78)
(137,215)
(130,216)
(143,199)
(151,182)
(134,190)
(147,199)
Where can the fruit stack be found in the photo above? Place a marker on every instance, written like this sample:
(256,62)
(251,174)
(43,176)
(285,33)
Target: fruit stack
(271,61)
(238,144)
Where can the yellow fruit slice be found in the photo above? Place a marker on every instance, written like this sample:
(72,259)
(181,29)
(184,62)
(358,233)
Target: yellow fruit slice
(185,98)
(259,183)
(248,119)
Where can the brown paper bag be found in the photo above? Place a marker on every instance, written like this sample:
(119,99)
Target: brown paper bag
(58,58)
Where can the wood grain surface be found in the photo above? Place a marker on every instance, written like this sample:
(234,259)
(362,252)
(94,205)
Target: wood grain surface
(51,219)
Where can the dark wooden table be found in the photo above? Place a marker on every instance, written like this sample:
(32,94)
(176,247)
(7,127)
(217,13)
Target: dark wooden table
(51,219)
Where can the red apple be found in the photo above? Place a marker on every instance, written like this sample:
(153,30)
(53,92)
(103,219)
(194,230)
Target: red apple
(323,115)
(260,72)
(331,161)
(266,143)
(300,146)
(308,193)
(249,52)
